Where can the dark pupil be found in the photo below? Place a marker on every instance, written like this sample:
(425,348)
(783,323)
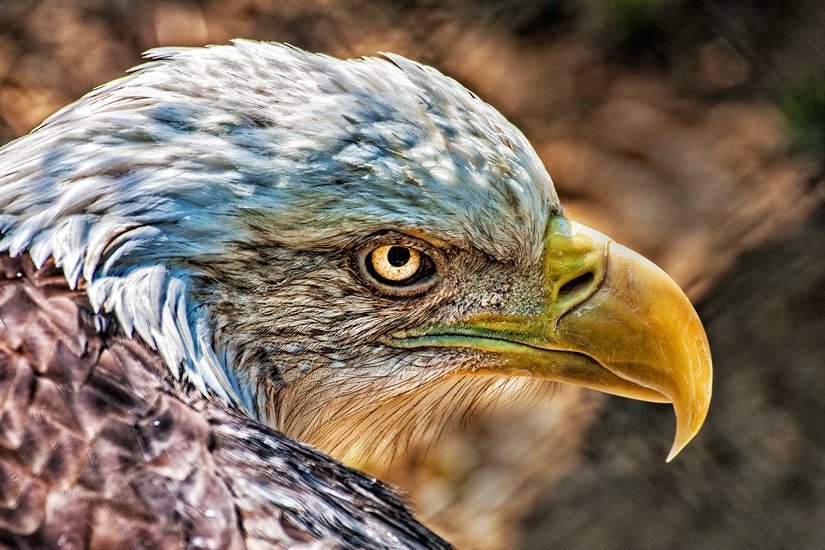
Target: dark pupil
(398,256)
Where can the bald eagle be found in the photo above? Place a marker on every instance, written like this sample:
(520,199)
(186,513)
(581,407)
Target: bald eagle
(236,248)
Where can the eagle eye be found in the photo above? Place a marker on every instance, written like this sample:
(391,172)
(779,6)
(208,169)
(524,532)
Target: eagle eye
(400,268)
(395,263)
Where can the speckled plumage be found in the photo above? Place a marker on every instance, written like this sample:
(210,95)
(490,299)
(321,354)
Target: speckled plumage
(209,203)
(203,154)
(101,448)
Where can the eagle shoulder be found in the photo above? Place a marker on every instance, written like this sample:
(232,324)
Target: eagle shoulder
(101,447)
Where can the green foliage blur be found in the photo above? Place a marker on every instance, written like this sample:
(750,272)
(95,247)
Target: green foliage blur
(803,105)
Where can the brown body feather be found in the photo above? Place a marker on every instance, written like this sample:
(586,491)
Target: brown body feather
(100,448)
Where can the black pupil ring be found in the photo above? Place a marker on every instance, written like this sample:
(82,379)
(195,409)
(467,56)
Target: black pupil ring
(398,256)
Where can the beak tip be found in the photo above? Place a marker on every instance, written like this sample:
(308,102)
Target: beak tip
(675,450)
(687,430)
(683,437)
(679,443)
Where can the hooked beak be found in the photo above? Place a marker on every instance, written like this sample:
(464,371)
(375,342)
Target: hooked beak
(610,320)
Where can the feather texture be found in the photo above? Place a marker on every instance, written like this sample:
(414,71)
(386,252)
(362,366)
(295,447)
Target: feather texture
(100,447)
(203,152)
(185,239)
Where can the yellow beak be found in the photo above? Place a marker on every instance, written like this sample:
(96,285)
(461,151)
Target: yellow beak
(610,320)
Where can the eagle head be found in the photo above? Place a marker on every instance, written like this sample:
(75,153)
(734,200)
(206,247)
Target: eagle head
(351,251)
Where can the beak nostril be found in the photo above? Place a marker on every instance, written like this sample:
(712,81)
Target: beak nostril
(576,284)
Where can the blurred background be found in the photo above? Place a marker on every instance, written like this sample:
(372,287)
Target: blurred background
(690,130)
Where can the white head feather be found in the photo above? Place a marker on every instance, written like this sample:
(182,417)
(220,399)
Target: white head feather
(200,151)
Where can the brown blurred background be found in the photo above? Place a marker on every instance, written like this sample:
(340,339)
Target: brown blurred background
(693,131)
